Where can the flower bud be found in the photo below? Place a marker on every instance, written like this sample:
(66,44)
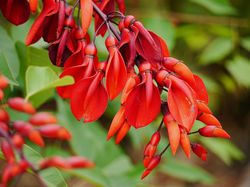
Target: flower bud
(54,131)
(7,151)
(1,95)
(79,162)
(199,151)
(36,138)
(42,118)
(4,116)
(209,119)
(21,105)
(17,141)
(213,131)
(4,127)
(55,161)
(3,82)
(152,164)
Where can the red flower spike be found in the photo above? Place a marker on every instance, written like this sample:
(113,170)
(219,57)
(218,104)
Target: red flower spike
(15,11)
(89,99)
(20,104)
(185,142)
(213,131)
(209,119)
(4,116)
(8,152)
(54,131)
(116,73)
(143,103)
(17,141)
(42,118)
(36,138)
(132,81)
(55,161)
(199,151)
(152,164)
(87,11)
(117,122)
(1,95)
(122,132)
(79,162)
(3,82)
(33,5)
(48,15)
(179,68)
(4,127)
(79,72)
(9,172)
(173,132)
(202,106)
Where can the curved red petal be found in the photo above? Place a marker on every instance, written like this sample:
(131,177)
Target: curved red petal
(116,74)
(137,111)
(200,89)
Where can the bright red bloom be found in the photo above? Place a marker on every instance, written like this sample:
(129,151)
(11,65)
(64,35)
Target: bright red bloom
(89,98)
(185,142)
(15,11)
(49,24)
(116,73)
(84,70)
(42,118)
(143,103)
(21,105)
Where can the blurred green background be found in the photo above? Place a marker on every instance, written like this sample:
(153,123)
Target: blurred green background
(211,36)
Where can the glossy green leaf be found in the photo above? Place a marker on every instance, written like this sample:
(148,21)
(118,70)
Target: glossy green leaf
(216,50)
(89,140)
(52,176)
(186,171)
(41,82)
(239,68)
(245,42)
(220,7)
(224,149)
(9,63)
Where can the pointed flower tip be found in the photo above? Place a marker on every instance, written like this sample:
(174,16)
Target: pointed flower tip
(145,174)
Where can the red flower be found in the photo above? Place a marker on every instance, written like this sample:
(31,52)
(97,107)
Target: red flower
(199,151)
(143,103)
(15,11)
(116,74)
(89,98)
(86,69)
(49,24)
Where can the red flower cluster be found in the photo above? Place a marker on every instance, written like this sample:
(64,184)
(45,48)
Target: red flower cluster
(138,67)
(40,125)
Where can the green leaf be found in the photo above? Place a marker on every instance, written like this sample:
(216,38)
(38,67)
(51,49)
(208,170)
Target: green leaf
(224,149)
(52,176)
(111,162)
(186,171)
(216,50)
(9,63)
(220,7)
(245,42)
(40,83)
(239,68)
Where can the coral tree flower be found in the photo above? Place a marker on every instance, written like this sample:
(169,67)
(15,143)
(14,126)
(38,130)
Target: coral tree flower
(116,74)
(89,98)
(143,103)
(53,13)
(15,11)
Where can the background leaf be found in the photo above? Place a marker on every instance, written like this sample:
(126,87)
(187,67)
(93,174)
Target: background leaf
(40,83)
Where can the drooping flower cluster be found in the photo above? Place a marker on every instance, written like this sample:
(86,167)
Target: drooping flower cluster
(139,68)
(13,135)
